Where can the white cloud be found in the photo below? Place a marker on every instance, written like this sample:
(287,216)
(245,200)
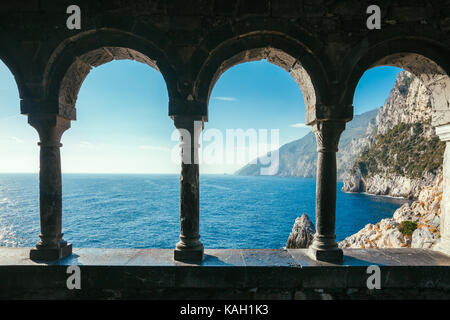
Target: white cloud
(298,125)
(153,148)
(225,98)
(86,144)
(18,140)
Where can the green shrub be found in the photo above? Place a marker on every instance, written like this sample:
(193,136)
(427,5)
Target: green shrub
(398,152)
(407,227)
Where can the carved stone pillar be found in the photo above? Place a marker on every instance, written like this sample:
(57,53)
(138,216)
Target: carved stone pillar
(324,246)
(444,246)
(189,248)
(51,246)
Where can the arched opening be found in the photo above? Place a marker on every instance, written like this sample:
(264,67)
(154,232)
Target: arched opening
(306,73)
(80,68)
(254,108)
(119,181)
(403,156)
(301,61)
(277,57)
(18,168)
(266,97)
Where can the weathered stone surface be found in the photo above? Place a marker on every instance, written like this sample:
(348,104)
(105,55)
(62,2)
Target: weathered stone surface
(51,246)
(224,274)
(189,248)
(302,233)
(422,238)
(324,246)
(325,46)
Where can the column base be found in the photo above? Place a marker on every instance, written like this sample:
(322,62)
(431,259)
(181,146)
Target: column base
(47,254)
(327,255)
(188,254)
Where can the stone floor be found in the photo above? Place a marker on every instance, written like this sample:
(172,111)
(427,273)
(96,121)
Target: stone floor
(231,257)
(225,273)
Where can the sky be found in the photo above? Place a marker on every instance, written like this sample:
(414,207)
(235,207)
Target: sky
(123,125)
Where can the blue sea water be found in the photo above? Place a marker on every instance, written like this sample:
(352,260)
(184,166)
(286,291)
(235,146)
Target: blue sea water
(142,211)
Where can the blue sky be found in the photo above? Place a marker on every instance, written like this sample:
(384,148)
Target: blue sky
(123,126)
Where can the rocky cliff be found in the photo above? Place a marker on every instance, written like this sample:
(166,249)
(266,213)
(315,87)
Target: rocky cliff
(298,158)
(403,158)
(402,154)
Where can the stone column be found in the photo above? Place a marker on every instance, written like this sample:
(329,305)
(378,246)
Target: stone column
(189,248)
(324,246)
(444,246)
(51,246)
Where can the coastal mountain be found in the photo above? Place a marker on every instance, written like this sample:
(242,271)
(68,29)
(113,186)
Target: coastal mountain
(403,153)
(391,151)
(298,158)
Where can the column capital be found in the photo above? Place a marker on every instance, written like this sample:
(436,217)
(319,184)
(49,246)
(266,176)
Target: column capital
(188,107)
(31,106)
(328,134)
(50,128)
(323,112)
(443,132)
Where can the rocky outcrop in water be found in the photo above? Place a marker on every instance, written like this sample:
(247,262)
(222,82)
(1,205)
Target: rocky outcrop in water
(302,233)
(403,154)
(415,225)
(395,186)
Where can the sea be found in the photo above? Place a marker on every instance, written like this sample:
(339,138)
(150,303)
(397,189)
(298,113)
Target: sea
(142,210)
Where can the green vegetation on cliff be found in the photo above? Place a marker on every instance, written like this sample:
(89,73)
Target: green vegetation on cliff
(407,227)
(403,151)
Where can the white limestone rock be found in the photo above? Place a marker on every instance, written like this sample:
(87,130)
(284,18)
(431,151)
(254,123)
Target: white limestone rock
(422,238)
(396,238)
(354,182)
(385,234)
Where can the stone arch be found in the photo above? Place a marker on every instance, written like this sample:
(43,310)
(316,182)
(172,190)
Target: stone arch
(283,51)
(72,61)
(425,60)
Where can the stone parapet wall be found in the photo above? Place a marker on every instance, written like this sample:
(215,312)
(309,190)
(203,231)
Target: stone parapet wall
(225,274)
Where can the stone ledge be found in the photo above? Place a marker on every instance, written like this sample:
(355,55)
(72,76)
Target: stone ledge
(152,273)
